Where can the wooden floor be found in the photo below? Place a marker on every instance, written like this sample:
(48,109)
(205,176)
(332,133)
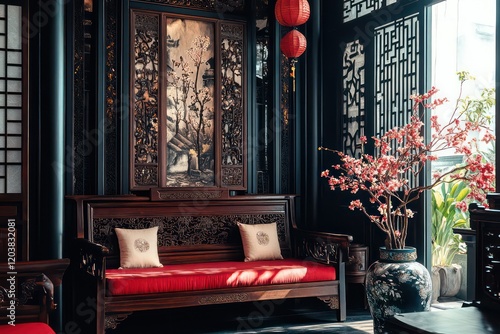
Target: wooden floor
(291,316)
(307,315)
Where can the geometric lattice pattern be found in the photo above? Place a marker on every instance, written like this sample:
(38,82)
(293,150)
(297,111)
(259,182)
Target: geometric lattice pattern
(11,106)
(353,97)
(354,9)
(396,72)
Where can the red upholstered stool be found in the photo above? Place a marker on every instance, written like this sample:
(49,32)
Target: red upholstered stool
(27,328)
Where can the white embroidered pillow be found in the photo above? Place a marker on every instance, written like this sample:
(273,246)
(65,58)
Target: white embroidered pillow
(138,247)
(260,241)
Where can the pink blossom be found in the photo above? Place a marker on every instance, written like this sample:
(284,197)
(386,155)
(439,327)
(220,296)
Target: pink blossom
(356,204)
(462,206)
(391,176)
(488,137)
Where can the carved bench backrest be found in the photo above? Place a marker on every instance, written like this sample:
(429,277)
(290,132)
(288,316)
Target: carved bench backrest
(190,231)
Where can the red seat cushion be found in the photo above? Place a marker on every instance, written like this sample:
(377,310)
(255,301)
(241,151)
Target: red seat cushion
(30,327)
(215,275)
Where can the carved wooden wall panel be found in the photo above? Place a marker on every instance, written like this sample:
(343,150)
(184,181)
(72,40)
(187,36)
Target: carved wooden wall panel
(286,131)
(188,95)
(210,5)
(232,105)
(144,132)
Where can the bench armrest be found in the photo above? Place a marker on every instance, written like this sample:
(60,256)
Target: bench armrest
(29,286)
(91,257)
(323,247)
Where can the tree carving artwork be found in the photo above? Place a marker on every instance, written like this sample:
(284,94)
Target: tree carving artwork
(190,110)
(187,128)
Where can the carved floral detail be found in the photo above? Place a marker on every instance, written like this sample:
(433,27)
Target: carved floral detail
(232,104)
(112,321)
(146,83)
(195,194)
(321,250)
(213,5)
(146,175)
(225,298)
(332,301)
(185,230)
(232,176)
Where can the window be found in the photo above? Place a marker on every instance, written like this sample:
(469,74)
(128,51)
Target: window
(462,39)
(13,134)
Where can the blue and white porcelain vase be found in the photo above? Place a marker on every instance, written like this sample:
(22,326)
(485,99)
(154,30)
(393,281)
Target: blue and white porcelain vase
(396,283)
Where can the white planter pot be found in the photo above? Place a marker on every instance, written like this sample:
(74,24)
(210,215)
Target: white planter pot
(436,284)
(450,280)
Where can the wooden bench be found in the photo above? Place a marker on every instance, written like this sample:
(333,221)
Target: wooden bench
(27,295)
(202,231)
(481,314)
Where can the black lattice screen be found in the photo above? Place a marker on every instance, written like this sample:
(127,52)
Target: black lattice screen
(386,76)
(396,72)
(354,9)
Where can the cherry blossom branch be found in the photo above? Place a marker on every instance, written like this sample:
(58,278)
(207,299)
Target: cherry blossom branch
(390,177)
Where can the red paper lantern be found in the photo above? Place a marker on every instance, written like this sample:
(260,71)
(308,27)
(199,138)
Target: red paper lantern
(292,13)
(293,44)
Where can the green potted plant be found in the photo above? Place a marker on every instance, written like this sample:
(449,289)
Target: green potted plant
(447,275)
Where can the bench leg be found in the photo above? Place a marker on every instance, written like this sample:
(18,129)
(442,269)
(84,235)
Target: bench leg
(338,302)
(342,312)
(101,318)
(334,303)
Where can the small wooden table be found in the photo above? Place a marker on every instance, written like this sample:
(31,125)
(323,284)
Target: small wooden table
(356,267)
(470,320)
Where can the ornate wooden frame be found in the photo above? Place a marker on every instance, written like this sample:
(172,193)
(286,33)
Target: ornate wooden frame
(187,123)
